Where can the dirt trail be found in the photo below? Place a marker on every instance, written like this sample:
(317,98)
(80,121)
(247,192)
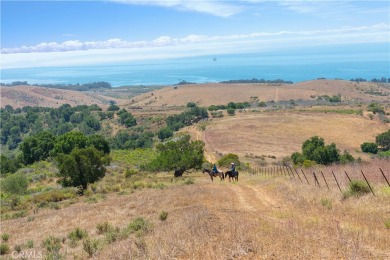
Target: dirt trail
(197,134)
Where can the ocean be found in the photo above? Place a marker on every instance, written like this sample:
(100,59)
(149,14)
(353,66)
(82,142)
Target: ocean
(342,62)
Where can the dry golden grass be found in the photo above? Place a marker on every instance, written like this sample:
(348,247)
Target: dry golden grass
(20,96)
(221,94)
(282,133)
(257,218)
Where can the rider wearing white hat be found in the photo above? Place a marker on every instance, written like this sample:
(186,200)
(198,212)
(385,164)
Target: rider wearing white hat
(233,168)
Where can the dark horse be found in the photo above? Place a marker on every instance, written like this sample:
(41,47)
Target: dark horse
(232,176)
(212,174)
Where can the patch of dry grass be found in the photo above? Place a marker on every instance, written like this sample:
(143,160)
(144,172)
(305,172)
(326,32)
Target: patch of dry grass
(282,133)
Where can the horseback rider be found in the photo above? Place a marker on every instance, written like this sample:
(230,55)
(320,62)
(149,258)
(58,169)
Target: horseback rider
(233,168)
(215,170)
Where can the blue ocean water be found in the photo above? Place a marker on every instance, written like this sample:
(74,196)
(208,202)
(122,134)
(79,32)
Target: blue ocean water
(344,62)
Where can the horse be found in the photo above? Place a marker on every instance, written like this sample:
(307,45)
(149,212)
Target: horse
(232,176)
(212,174)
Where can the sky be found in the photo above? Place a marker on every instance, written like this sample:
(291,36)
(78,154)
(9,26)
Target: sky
(65,33)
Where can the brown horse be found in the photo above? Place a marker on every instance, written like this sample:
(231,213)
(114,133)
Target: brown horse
(212,174)
(232,176)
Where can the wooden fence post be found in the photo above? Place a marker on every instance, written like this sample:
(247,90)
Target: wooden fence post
(305,176)
(368,183)
(316,180)
(337,182)
(347,176)
(384,177)
(324,180)
(298,174)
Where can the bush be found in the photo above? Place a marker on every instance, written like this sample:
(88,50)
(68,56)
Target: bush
(387,223)
(163,215)
(30,244)
(14,184)
(52,245)
(54,196)
(5,237)
(308,163)
(191,104)
(231,111)
(346,158)
(130,172)
(139,226)
(104,227)
(357,188)
(326,203)
(383,140)
(90,246)
(369,147)
(4,249)
(78,234)
(229,158)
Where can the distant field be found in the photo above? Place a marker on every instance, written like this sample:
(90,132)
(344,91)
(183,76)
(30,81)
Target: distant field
(203,94)
(282,133)
(219,94)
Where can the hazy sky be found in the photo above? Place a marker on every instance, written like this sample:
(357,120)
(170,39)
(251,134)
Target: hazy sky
(51,33)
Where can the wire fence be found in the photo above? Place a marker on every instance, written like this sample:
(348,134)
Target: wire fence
(333,177)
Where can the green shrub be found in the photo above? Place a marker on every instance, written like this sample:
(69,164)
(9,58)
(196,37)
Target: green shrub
(139,226)
(54,196)
(30,244)
(387,223)
(229,158)
(5,237)
(346,158)
(326,203)
(4,249)
(104,227)
(14,184)
(308,163)
(357,188)
(113,235)
(369,147)
(130,172)
(90,246)
(77,235)
(52,245)
(231,111)
(163,215)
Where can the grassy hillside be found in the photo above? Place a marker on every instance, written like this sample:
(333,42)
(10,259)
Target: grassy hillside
(153,216)
(219,94)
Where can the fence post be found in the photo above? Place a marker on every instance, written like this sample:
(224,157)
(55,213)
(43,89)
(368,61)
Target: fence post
(337,182)
(316,180)
(284,171)
(347,176)
(384,177)
(305,176)
(298,174)
(368,183)
(324,180)
(287,168)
